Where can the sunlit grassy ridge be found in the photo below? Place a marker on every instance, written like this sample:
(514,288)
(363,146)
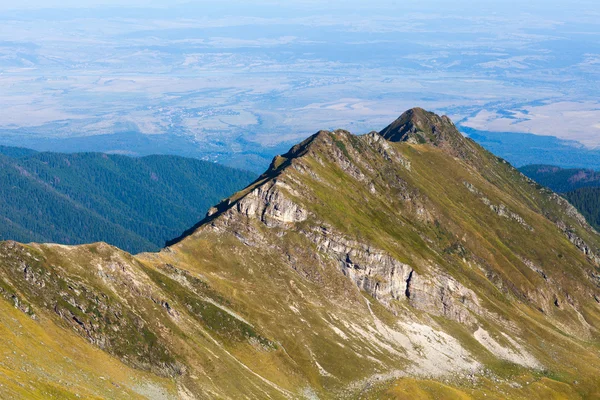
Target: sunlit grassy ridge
(260,300)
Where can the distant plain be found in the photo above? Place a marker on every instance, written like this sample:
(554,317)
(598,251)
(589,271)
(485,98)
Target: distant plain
(238,83)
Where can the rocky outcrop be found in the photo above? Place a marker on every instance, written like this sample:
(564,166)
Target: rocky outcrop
(383,147)
(440,294)
(372,270)
(499,209)
(269,204)
(503,211)
(387,279)
(417,126)
(535,268)
(569,232)
(578,242)
(570,210)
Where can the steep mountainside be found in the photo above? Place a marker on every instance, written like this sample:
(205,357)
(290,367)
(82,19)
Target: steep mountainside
(135,203)
(562,180)
(407,264)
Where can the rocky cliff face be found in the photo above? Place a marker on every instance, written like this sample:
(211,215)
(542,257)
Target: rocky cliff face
(356,266)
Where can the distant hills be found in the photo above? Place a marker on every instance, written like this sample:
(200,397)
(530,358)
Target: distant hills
(249,155)
(562,180)
(134,203)
(522,149)
(16,152)
(519,149)
(580,186)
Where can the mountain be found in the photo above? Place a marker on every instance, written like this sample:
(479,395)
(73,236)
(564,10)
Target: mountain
(410,263)
(581,187)
(587,201)
(16,152)
(562,180)
(234,152)
(135,203)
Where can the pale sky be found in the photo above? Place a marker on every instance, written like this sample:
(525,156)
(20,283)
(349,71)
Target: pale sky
(500,5)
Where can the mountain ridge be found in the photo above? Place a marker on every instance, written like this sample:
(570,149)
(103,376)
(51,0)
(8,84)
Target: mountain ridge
(419,126)
(356,267)
(440,132)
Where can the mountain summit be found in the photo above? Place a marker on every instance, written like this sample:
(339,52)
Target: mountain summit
(419,126)
(387,265)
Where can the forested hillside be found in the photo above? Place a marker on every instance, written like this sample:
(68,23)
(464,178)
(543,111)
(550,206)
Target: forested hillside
(134,203)
(587,201)
(16,152)
(580,186)
(562,180)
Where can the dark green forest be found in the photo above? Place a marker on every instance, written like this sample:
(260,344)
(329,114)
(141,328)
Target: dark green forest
(562,180)
(587,201)
(136,204)
(16,152)
(581,187)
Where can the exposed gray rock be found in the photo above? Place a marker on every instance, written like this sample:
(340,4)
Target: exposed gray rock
(387,279)
(384,148)
(535,268)
(570,210)
(568,230)
(269,204)
(578,242)
(440,294)
(371,269)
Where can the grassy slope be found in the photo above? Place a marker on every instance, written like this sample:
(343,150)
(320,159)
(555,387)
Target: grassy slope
(287,315)
(498,245)
(502,245)
(120,304)
(39,360)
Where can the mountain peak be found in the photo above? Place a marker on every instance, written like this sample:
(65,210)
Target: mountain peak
(420,127)
(415,126)
(454,272)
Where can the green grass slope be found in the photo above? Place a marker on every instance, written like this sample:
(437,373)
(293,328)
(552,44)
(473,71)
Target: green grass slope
(40,360)
(417,266)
